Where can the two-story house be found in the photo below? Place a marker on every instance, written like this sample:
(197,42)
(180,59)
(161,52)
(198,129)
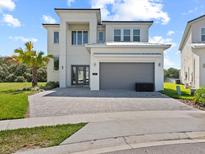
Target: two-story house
(192,49)
(100,54)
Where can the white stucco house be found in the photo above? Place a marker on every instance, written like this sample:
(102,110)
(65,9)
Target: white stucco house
(100,54)
(192,49)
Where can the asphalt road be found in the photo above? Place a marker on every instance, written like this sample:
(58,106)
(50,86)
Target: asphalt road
(191,148)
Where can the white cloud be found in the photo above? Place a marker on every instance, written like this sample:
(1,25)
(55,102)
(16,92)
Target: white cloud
(23,39)
(170,33)
(160,39)
(11,21)
(7,4)
(69,2)
(132,10)
(48,19)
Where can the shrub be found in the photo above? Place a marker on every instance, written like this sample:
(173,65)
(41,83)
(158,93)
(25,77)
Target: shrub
(10,78)
(20,79)
(9,70)
(200,96)
(51,85)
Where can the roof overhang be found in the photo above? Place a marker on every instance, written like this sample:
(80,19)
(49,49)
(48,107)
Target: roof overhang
(198,45)
(81,10)
(50,25)
(129,45)
(149,23)
(187,29)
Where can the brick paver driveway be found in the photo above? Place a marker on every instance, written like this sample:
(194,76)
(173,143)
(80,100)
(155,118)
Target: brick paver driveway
(69,101)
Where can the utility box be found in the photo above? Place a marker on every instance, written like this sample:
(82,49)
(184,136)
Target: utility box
(178,89)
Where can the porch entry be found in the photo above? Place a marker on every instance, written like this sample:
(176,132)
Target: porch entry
(80,74)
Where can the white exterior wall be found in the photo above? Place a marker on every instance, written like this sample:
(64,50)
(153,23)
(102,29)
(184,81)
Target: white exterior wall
(95,63)
(75,54)
(200,53)
(187,60)
(196,31)
(53,49)
(189,55)
(144,31)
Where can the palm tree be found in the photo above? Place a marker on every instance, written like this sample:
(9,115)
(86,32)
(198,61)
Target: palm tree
(32,59)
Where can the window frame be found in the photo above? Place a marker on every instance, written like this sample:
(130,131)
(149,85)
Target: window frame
(119,35)
(103,37)
(76,41)
(128,36)
(137,35)
(202,34)
(56,59)
(54,39)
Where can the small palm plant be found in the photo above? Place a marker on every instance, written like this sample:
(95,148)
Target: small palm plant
(32,59)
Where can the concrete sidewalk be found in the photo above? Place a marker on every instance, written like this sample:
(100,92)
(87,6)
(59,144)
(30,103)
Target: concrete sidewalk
(107,132)
(97,117)
(122,143)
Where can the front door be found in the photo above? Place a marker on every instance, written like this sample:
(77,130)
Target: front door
(80,75)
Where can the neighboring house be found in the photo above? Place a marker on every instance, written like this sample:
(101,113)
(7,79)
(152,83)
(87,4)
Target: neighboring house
(192,49)
(102,54)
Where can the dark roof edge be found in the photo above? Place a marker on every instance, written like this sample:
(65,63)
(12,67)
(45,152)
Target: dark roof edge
(77,9)
(196,19)
(50,24)
(128,21)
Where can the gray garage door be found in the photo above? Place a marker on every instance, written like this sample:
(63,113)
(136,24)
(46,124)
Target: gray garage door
(125,75)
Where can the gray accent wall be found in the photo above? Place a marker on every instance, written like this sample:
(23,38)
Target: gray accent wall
(125,75)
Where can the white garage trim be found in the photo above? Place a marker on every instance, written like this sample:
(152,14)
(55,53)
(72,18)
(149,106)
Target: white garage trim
(96,59)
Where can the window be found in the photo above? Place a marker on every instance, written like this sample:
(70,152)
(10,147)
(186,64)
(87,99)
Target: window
(203,34)
(80,74)
(56,63)
(56,37)
(85,37)
(79,37)
(126,35)
(136,35)
(101,37)
(117,35)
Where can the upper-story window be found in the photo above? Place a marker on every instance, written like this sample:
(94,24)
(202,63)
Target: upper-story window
(79,37)
(117,35)
(56,37)
(203,34)
(101,37)
(136,35)
(126,37)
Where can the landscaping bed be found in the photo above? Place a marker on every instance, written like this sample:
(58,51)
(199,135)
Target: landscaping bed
(195,101)
(39,137)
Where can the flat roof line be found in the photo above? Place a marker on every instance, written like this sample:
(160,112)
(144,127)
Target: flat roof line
(51,24)
(136,21)
(77,9)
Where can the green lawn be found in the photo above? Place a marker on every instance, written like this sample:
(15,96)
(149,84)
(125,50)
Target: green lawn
(13,102)
(170,90)
(39,137)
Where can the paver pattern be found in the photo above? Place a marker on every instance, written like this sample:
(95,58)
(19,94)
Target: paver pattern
(71,101)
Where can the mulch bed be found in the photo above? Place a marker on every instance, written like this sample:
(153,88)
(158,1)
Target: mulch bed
(193,104)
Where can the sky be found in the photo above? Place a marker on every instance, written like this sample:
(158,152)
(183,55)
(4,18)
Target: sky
(21,20)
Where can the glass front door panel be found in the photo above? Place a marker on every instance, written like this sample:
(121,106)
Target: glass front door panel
(80,75)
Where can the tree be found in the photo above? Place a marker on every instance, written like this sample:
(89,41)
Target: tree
(32,59)
(171,73)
